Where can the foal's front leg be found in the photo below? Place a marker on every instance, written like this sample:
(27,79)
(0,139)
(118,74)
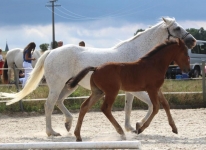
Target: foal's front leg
(166,107)
(153,94)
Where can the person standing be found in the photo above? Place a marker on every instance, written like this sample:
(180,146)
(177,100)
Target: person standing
(27,63)
(60,43)
(81,43)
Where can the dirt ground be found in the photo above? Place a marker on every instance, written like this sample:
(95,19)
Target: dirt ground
(191,124)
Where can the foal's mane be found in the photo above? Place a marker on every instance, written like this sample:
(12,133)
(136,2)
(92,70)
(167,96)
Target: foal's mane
(160,23)
(159,48)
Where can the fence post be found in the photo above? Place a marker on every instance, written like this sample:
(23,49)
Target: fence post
(17,85)
(203,82)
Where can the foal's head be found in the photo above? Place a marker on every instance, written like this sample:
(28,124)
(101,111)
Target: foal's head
(182,57)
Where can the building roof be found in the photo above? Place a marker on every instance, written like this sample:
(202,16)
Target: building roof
(6,48)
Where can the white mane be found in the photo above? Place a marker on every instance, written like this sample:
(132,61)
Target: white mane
(165,22)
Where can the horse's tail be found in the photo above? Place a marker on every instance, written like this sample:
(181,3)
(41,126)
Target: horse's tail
(5,73)
(32,82)
(72,82)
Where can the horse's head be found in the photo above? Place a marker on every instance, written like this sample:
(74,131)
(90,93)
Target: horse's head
(182,58)
(176,31)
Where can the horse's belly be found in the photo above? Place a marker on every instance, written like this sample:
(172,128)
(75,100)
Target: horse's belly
(85,82)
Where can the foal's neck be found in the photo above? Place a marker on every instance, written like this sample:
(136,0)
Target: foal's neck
(162,58)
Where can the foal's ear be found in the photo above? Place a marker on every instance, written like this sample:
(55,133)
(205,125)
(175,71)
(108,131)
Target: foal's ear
(178,41)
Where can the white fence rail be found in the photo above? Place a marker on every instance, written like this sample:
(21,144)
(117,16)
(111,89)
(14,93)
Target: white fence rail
(74,145)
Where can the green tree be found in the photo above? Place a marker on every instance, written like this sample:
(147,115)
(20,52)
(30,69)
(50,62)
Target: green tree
(199,34)
(139,30)
(44,46)
(55,45)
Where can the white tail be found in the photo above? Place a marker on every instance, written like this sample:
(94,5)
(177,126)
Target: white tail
(32,83)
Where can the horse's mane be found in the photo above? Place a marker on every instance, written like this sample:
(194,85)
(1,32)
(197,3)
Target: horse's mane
(170,21)
(158,48)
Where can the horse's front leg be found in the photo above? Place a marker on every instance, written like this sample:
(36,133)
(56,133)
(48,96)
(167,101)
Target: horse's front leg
(68,116)
(144,97)
(128,108)
(153,94)
(166,107)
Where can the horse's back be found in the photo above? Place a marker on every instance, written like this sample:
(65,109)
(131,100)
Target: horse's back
(15,56)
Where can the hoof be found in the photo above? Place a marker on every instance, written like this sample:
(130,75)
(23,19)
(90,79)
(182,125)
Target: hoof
(78,140)
(139,131)
(68,126)
(138,126)
(134,131)
(57,134)
(54,134)
(175,131)
(123,137)
(129,128)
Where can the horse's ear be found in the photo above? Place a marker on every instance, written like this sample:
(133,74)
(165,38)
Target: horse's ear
(165,20)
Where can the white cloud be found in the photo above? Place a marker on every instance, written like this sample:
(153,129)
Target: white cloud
(193,24)
(96,34)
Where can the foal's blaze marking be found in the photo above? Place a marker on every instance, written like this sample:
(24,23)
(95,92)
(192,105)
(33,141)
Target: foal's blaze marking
(145,74)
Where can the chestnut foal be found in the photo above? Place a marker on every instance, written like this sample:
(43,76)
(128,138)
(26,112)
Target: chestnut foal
(145,74)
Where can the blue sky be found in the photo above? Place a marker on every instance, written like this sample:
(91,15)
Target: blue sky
(99,23)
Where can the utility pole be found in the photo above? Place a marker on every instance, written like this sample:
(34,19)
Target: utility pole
(53,27)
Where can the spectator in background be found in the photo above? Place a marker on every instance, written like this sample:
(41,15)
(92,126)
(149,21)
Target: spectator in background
(82,44)
(1,63)
(27,57)
(21,76)
(60,43)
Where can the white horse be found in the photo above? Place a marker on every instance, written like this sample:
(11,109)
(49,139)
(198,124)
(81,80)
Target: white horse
(15,56)
(61,64)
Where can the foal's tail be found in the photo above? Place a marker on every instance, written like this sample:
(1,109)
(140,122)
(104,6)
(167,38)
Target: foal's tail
(5,73)
(32,83)
(72,82)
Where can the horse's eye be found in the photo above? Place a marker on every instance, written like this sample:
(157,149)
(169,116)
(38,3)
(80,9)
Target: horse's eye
(177,29)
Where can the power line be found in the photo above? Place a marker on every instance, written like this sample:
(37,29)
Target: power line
(53,27)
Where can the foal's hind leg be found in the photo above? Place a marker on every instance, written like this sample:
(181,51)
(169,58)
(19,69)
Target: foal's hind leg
(60,104)
(86,105)
(166,107)
(106,109)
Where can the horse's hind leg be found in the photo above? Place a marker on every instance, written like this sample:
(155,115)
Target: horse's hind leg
(9,75)
(68,116)
(128,108)
(144,97)
(106,109)
(49,107)
(166,107)
(86,105)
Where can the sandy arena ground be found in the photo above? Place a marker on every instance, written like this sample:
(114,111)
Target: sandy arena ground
(191,124)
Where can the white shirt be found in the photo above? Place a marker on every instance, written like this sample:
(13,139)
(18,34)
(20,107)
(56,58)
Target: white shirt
(1,58)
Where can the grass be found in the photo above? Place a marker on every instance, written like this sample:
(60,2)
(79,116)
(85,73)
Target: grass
(175,100)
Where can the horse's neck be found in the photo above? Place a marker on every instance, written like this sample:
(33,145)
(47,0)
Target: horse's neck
(141,44)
